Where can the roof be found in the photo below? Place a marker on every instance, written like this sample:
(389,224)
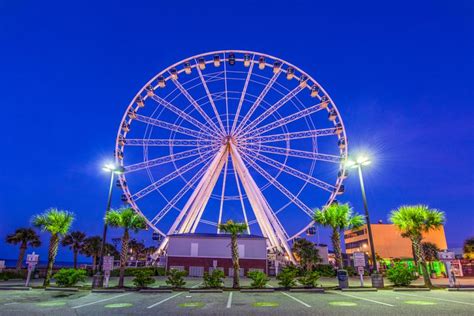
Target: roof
(214,235)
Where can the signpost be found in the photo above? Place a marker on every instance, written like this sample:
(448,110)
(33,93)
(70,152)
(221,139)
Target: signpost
(446,257)
(2,265)
(107,266)
(31,261)
(359,263)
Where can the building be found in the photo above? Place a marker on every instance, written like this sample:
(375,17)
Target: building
(198,253)
(388,241)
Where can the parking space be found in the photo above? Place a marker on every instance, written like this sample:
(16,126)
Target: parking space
(385,302)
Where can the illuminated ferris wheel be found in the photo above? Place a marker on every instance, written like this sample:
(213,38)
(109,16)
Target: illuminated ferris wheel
(231,135)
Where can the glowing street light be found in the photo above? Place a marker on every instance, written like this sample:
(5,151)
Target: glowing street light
(98,279)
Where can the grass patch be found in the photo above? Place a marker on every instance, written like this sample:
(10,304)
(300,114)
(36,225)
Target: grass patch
(342,303)
(420,303)
(118,305)
(266,304)
(192,305)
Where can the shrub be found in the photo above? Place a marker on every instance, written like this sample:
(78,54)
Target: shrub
(259,279)
(155,271)
(214,279)
(7,275)
(309,279)
(325,270)
(69,277)
(287,277)
(401,274)
(143,278)
(176,278)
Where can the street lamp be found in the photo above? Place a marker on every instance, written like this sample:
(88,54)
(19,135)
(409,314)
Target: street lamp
(358,163)
(98,279)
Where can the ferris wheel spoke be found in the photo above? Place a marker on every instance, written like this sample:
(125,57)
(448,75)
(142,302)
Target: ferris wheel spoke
(257,102)
(287,119)
(272,109)
(279,186)
(214,108)
(171,204)
(165,159)
(242,96)
(184,115)
(169,142)
(157,184)
(226,95)
(296,153)
(242,203)
(222,195)
(289,136)
(204,221)
(171,127)
(197,106)
(291,171)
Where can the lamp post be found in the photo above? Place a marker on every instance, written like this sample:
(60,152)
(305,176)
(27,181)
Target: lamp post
(359,163)
(98,279)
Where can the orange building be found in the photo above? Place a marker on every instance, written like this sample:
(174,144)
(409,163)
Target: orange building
(388,241)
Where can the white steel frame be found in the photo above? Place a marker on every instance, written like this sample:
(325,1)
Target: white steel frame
(242,142)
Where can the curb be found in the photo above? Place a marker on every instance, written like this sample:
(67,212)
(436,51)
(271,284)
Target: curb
(155,291)
(415,289)
(62,289)
(316,290)
(108,291)
(15,288)
(257,290)
(359,289)
(205,291)
(461,289)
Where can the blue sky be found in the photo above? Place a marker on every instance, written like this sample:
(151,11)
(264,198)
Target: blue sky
(400,73)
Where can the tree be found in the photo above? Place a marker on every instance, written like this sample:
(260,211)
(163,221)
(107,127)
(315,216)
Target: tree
(57,223)
(234,229)
(307,253)
(137,249)
(430,251)
(338,217)
(127,219)
(469,248)
(92,247)
(413,221)
(75,241)
(26,237)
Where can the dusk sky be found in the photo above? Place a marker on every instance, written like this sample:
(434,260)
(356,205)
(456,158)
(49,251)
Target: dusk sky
(402,76)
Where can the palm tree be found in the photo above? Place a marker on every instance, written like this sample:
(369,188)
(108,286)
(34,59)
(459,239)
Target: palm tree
(413,221)
(75,241)
(468,248)
(25,237)
(127,219)
(307,253)
(234,229)
(91,248)
(57,223)
(338,217)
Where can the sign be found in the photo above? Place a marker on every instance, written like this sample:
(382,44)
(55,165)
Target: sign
(2,265)
(359,259)
(446,255)
(32,260)
(360,270)
(108,263)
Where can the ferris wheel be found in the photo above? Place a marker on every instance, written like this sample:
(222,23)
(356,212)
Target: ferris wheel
(231,135)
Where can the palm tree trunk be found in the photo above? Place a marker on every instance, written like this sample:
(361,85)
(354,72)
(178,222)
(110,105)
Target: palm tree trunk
(52,252)
(336,244)
(75,258)
(123,256)
(94,263)
(420,259)
(21,255)
(235,261)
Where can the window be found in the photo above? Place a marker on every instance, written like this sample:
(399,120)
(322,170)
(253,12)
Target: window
(241,251)
(357,244)
(194,249)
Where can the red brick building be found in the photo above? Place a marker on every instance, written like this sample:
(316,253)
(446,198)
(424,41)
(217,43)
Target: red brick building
(199,253)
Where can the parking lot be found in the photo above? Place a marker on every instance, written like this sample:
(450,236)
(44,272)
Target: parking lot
(384,302)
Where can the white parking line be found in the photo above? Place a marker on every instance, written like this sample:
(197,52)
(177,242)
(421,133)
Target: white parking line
(364,299)
(100,301)
(166,299)
(294,298)
(229,300)
(196,285)
(436,298)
